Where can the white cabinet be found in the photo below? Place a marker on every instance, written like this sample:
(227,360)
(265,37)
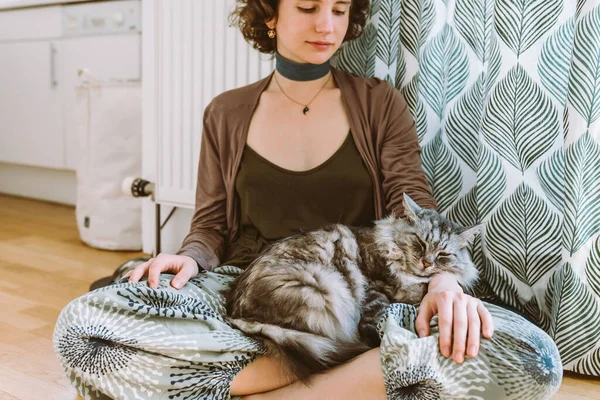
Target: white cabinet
(31,112)
(41,51)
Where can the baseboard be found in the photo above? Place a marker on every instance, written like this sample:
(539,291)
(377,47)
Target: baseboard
(58,186)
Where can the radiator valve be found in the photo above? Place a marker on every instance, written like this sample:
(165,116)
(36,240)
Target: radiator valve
(137,187)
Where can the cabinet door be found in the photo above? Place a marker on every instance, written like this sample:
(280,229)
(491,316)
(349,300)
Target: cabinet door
(31,106)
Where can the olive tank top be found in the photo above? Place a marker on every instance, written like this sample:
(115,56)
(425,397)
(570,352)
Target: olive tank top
(277,202)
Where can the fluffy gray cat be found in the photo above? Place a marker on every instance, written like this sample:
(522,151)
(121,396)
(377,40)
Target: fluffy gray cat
(315,298)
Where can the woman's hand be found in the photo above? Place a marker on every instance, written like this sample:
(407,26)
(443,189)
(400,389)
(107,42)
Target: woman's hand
(184,268)
(460,316)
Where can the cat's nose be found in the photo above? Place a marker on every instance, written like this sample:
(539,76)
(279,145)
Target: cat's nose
(426,264)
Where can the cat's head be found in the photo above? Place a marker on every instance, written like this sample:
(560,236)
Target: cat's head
(425,243)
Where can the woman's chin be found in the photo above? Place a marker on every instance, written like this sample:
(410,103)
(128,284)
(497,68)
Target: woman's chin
(318,56)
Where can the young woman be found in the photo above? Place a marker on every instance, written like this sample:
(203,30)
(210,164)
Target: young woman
(308,145)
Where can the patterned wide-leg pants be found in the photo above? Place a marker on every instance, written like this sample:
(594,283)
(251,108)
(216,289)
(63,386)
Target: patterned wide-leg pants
(128,341)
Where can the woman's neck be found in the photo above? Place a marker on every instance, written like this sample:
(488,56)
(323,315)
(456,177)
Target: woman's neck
(300,80)
(299,90)
(300,71)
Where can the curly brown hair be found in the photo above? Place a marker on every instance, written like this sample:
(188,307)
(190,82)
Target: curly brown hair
(250,16)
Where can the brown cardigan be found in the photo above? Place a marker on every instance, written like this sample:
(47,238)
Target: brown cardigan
(383,130)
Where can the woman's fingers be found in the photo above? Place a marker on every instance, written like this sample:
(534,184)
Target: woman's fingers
(487,322)
(460,328)
(140,271)
(427,309)
(183,267)
(180,279)
(154,271)
(474,329)
(461,319)
(445,319)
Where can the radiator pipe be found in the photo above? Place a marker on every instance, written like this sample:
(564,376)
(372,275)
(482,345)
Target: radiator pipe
(157,229)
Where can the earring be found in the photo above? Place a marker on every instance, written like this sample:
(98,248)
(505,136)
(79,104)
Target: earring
(271,33)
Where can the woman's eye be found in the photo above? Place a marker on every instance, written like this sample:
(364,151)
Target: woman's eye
(310,10)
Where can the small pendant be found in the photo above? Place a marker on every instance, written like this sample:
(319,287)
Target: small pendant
(305,110)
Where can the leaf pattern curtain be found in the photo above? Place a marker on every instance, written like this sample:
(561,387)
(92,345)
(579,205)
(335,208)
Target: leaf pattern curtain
(506,98)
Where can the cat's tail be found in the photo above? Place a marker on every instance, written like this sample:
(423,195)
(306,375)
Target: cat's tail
(303,353)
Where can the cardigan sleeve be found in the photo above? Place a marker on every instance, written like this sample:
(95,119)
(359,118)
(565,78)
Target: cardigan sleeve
(401,157)
(205,241)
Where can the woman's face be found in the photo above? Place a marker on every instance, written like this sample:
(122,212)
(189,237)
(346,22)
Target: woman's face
(310,31)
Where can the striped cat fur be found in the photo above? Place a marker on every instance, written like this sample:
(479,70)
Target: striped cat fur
(314,299)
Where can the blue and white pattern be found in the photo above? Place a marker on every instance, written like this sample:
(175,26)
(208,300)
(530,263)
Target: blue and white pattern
(520,361)
(128,341)
(506,99)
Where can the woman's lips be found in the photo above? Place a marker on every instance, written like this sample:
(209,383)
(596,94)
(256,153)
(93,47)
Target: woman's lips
(320,45)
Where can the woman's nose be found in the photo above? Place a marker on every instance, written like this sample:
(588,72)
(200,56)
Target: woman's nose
(325,22)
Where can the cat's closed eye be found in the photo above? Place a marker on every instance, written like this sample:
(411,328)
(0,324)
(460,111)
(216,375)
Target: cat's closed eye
(442,254)
(421,243)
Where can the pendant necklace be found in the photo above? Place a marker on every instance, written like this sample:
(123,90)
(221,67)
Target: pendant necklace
(306,109)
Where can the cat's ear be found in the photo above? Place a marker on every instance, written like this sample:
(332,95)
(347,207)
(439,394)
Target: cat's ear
(410,208)
(468,234)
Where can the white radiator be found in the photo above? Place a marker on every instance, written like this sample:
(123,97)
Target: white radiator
(195,56)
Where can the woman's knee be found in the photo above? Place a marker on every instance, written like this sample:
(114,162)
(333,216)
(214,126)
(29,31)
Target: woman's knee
(523,358)
(74,329)
(95,324)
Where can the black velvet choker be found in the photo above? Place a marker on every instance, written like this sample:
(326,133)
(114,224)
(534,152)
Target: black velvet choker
(300,72)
